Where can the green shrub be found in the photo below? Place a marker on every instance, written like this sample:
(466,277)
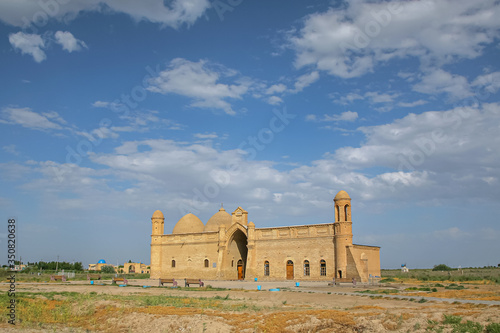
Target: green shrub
(493,328)
(452,319)
(388,280)
(468,327)
(107,269)
(454,286)
(442,267)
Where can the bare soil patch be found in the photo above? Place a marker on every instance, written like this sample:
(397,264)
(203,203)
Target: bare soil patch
(80,307)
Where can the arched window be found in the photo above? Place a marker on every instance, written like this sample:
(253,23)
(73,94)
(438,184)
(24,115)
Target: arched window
(337,210)
(266,268)
(307,271)
(173,263)
(346,212)
(322,264)
(206,263)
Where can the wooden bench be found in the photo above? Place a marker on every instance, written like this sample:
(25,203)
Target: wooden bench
(187,282)
(58,277)
(119,279)
(93,277)
(162,281)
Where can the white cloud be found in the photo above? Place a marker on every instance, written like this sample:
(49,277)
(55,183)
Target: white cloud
(373,97)
(11,149)
(274,100)
(30,119)
(54,116)
(201,82)
(348,116)
(31,44)
(350,42)
(98,134)
(305,81)
(204,136)
(347,99)
(412,104)
(311,117)
(457,149)
(460,150)
(276,88)
(377,98)
(68,41)
(173,14)
(489,82)
(135,121)
(34,44)
(439,81)
(101,104)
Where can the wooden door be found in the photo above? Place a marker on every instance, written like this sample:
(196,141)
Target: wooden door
(240,270)
(289,270)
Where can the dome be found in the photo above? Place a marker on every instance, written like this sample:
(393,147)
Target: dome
(220,218)
(102,261)
(158,215)
(189,223)
(342,195)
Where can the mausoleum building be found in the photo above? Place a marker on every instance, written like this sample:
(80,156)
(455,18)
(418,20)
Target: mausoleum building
(228,247)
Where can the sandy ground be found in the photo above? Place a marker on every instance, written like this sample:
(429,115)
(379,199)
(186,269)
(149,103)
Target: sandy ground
(310,307)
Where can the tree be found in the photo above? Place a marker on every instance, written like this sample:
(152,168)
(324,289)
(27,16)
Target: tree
(442,267)
(78,266)
(107,269)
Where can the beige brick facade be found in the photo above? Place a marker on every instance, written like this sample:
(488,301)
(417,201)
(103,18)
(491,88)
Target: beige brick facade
(229,247)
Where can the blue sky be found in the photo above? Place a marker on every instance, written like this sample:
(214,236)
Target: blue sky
(112,109)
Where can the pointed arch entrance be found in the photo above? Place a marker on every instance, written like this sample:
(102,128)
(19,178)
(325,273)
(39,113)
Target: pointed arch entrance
(237,252)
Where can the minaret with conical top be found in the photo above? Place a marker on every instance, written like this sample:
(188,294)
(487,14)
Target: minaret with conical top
(342,232)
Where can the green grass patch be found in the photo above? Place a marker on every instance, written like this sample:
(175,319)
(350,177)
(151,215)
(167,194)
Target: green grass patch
(451,319)
(468,327)
(379,291)
(388,280)
(418,289)
(492,328)
(454,286)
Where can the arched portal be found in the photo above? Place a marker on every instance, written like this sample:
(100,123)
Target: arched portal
(236,252)
(131,269)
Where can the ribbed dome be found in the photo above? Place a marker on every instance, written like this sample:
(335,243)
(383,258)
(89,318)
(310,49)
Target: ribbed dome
(189,223)
(158,215)
(220,218)
(342,195)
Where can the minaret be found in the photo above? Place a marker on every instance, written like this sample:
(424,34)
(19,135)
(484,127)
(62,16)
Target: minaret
(158,226)
(342,232)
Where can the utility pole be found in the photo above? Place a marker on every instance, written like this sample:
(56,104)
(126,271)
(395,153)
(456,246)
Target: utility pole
(57,263)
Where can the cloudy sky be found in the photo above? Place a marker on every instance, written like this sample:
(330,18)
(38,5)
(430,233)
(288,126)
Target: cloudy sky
(112,109)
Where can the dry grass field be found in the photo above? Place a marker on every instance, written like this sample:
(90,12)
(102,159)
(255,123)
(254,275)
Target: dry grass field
(77,306)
